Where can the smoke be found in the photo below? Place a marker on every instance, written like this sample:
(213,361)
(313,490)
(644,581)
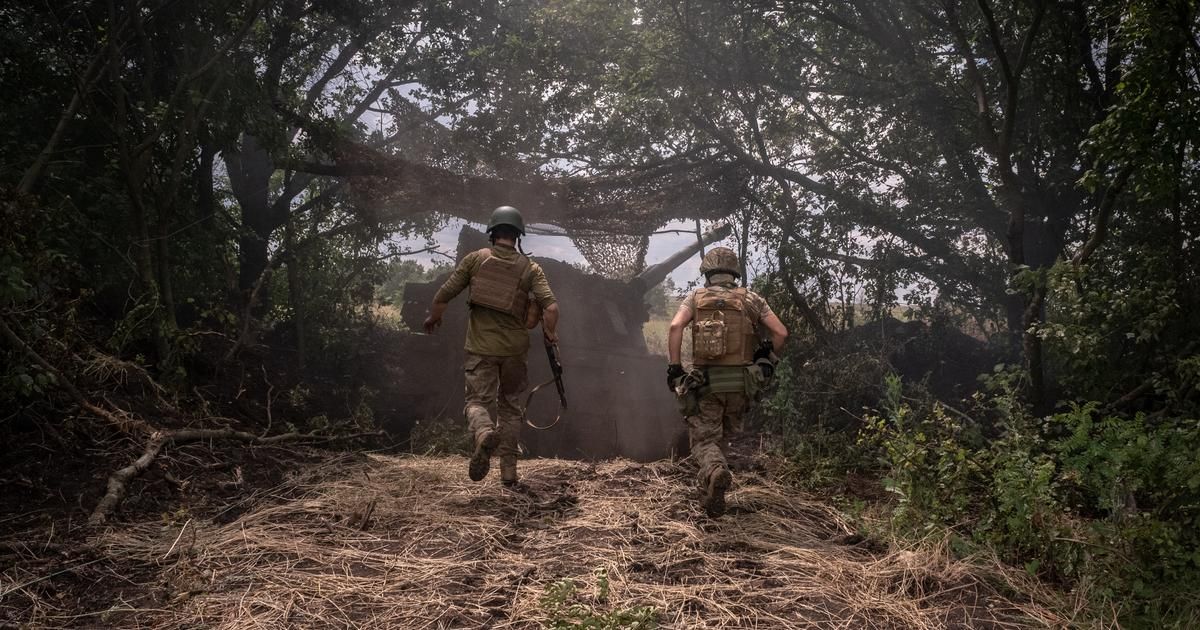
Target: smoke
(619,405)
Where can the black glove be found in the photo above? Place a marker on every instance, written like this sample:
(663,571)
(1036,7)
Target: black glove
(764,351)
(674,373)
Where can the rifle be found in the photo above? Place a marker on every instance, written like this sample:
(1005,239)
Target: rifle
(557,371)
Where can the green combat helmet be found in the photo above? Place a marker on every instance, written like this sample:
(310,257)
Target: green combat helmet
(720,260)
(506,215)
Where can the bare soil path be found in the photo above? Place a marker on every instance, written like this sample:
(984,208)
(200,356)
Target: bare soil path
(409,542)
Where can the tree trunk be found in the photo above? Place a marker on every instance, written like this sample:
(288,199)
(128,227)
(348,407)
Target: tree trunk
(205,200)
(165,291)
(1025,309)
(295,295)
(250,169)
(134,168)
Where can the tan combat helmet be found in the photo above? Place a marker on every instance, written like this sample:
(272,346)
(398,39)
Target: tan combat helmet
(720,260)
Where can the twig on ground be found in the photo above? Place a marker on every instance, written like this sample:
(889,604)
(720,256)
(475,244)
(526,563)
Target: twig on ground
(119,480)
(120,420)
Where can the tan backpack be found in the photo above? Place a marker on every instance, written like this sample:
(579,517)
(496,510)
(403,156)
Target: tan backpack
(722,329)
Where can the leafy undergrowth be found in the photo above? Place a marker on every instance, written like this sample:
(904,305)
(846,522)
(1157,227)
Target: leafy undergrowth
(409,542)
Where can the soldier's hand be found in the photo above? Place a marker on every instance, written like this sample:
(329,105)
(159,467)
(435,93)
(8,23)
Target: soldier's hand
(674,373)
(431,324)
(550,336)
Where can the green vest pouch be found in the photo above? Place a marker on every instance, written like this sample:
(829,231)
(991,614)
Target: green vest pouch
(723,379)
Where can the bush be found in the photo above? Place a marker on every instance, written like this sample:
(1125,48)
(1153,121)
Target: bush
(569,609)
(441,435)
(930,464)
(810,431)
(1080,497)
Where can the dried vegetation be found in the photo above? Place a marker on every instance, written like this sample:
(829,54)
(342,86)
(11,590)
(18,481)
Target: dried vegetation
(408,542)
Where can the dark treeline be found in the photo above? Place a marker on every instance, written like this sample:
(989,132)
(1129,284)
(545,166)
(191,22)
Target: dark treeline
(188,213)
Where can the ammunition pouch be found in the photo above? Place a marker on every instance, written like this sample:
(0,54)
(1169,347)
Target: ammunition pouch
(687,392)
(757,380)
(750,380)
(688,403)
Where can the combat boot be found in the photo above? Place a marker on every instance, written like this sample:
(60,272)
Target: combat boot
(714,492)
(508,471)
(481,459)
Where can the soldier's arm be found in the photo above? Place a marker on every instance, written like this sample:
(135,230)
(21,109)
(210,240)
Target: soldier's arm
(459,279)
(550,323)
(549,305)
(767,319)
(778,332)
(682,318)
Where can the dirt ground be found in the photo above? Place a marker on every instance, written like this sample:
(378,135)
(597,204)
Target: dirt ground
(382,541)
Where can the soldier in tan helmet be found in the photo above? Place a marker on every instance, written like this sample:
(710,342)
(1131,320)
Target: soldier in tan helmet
(730,365)
(508,295)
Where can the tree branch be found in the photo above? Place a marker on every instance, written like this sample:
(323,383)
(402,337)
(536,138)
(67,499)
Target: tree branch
(1103,215)
(983,110)
(29,179)
(122,422)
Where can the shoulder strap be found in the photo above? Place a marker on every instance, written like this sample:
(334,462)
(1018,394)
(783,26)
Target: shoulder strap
(756,302)
(522,262)
(526,266)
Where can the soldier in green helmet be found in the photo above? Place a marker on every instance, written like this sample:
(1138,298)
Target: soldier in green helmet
(508,295)
(730,365)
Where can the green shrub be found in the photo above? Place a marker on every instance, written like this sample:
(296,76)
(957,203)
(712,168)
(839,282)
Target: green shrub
(569,609)
(1080,497)
(441,435)
(929,464)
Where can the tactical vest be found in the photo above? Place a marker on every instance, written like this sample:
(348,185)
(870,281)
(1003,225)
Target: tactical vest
(498,284)
(722,330)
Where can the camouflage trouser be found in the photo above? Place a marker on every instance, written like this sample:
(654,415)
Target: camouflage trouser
(720,415)
(499,381)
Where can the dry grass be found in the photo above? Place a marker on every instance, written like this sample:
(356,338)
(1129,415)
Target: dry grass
(655,331)
(441,552)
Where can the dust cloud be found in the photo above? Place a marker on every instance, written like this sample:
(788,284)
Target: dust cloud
(618,402)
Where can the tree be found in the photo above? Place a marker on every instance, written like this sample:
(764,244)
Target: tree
(903,142)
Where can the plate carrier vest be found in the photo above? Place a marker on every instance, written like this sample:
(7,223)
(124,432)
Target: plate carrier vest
(722,331)
(497,284)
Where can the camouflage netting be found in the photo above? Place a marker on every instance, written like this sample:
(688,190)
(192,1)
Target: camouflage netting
(592,209)
(612,251)
(617,256)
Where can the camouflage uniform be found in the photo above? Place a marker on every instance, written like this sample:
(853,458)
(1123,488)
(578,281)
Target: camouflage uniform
(727,392)
(495,368)
(485,376)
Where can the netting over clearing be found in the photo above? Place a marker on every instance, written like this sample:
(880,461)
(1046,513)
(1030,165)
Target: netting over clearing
(616,256)
(609,217)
